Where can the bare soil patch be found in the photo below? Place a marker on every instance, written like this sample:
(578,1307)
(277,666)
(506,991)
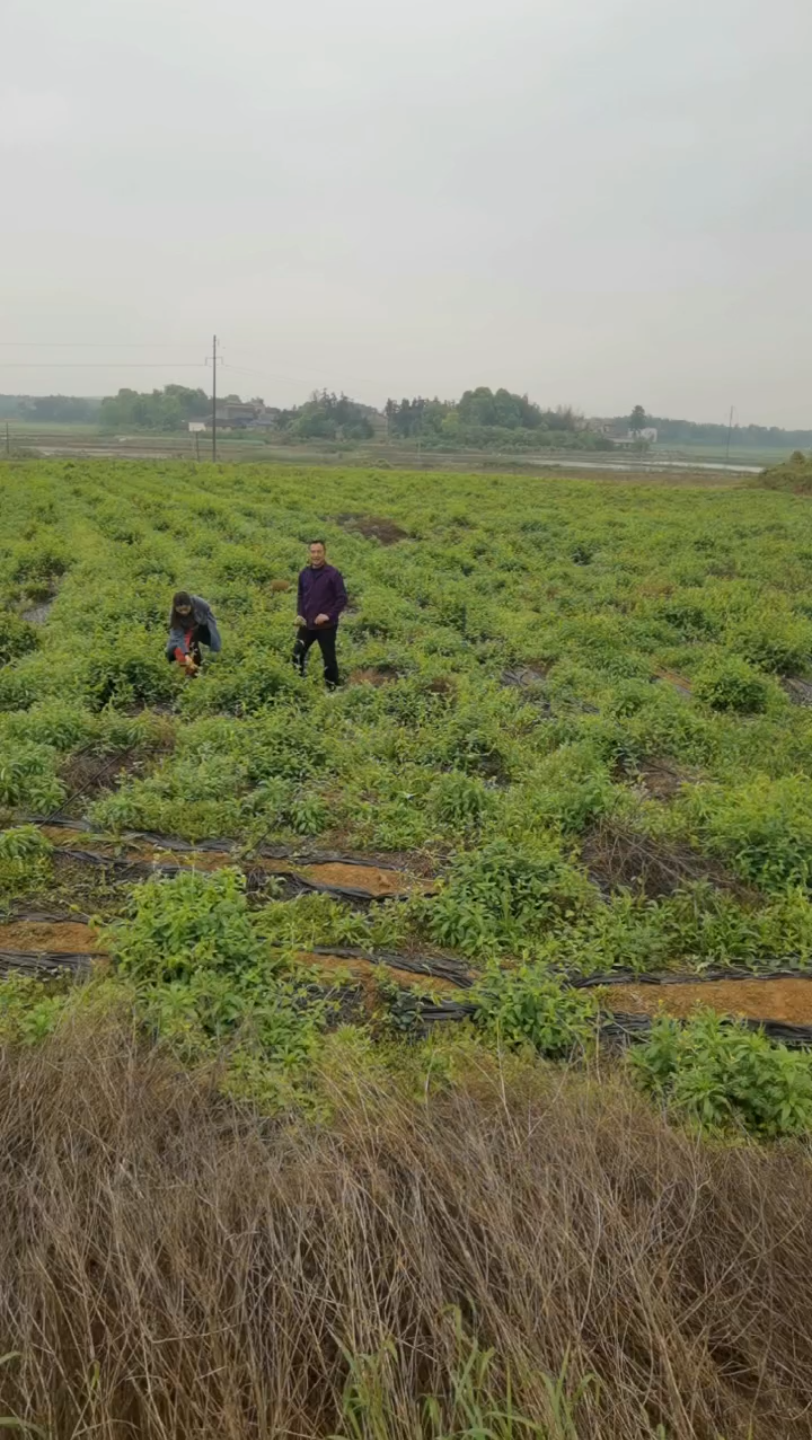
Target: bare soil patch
(373,527)
(279,587)
(523,676)
(787,1000)
(618,857)
(659,779)
(374,675)
(367,973)
(680,684)
(361,877)
(799,691)
(63,937)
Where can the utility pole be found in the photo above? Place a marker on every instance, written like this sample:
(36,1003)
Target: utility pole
(214,400)
(729,432)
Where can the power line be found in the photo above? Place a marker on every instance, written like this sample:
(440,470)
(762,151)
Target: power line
(100,364)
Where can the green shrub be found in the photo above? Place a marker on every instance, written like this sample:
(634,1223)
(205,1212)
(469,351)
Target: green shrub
(184,925)
(17,637)
(723,1076)
(497,896)
(529,1006)
(731,684)
(129,673)
(28,778)
(460,802)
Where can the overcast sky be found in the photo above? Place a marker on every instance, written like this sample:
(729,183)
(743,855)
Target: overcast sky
(600,202)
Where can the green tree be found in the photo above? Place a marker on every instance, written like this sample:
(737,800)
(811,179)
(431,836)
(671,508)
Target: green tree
(637,420)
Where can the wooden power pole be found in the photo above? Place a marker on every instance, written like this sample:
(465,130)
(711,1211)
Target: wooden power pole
(214,400)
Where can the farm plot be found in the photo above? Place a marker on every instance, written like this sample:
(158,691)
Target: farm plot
(298,953)
(570,733)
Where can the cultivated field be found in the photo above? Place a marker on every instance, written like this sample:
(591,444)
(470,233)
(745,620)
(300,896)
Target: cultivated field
(365,1059)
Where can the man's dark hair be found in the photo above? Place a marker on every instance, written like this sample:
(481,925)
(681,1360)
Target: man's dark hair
(322,543)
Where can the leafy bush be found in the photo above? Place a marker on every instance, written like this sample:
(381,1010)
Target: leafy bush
(529,1006)
(498,896)
(460,802)
(128,673)
(27,778)
(23,842)
(181,926)
(722,1076)
(732,684)
(17,637)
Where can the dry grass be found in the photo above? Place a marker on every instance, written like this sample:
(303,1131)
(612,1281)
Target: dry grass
(173,1267)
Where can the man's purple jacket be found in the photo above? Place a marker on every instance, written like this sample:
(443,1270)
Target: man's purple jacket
(321,592)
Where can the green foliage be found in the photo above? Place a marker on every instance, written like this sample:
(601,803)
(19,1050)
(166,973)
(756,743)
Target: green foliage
(731,684)
(460,803)
(124,673)
(499,896)
(181,926)
(528,1006)
(205,977)
(17,637)
(28,778)
(29,1011)
(723,1076)
(23,842)
(478,1405)
(168,409)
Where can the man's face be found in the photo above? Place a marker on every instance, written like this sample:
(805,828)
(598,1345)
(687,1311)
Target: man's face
(317,556)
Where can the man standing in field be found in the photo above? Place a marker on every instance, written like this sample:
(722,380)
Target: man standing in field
(322,598)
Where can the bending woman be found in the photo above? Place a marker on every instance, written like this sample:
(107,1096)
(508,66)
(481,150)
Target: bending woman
(191,624)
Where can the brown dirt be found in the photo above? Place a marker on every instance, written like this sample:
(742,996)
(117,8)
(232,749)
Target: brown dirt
(373,527)
(616,857)
(678,681)
(360,877)
(278,587)
(376,675)
(660,779)
(64,937)
(789,1001)
(86,776)
(366,973)
(799,691)
(524,675)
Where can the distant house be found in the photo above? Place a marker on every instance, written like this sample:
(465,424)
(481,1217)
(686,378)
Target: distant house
(649,432)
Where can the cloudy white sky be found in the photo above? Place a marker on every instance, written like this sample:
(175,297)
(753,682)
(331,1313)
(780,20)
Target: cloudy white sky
(601,202)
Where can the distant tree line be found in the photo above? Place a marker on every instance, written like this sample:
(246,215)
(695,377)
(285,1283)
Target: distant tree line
(485,418)
(326,416)
(168,409)
(53,409)
(685,432)
(479,419)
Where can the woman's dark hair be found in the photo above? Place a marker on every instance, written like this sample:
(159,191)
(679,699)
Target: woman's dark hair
(176,621)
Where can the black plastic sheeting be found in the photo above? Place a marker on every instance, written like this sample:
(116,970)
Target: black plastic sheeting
(292,884)
(622,1030)
(45,964)
(730,972)
(294,853)
(437,967)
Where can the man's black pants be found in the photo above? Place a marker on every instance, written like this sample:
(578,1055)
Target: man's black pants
(325,636)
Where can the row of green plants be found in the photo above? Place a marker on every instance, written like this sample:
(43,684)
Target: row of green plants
(219,983)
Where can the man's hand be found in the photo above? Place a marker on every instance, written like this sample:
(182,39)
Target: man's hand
(300,620)
(322,619)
